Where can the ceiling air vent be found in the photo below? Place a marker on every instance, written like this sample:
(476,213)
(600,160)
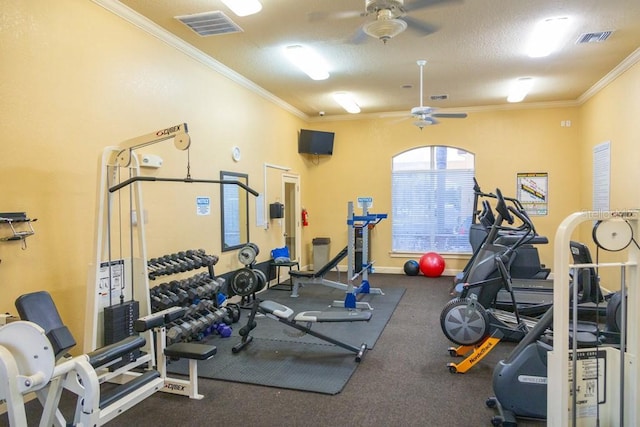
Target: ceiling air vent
(439,97)
(210,23)
(594,37)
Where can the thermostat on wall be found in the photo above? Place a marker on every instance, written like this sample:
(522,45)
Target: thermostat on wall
(150,161)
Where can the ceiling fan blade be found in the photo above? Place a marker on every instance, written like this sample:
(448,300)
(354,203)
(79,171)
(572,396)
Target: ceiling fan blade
(359,37)
(322,16)
(420,26)
(422,4)
(450,115)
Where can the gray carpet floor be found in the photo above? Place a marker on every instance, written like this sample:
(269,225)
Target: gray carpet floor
(403,381)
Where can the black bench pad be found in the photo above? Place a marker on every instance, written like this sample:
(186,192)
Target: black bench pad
(189,350)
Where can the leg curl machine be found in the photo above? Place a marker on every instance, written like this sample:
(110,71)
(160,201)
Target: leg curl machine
(33,358)
(245,282)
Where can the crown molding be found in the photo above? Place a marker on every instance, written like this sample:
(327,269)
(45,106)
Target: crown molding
(155,30)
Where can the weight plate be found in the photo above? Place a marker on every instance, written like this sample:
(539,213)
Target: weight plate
(247,254)
(244,282)
(262,279)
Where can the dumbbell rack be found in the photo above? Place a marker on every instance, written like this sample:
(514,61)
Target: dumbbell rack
(200,294)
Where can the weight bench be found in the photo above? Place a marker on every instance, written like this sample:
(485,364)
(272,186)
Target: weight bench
(301,278)
(316,277)
(180,350)
(285,315)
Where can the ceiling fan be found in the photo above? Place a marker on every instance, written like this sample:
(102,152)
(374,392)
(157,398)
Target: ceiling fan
(391,18)
(426,116)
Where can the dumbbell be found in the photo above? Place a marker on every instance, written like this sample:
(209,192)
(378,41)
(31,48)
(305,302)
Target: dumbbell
(174,333)
(159,300)
(153,269)
(196,261)
(172,265)
(223,330)
(157,266)
(185,263)
(178,297)
(206,259)
(174,286)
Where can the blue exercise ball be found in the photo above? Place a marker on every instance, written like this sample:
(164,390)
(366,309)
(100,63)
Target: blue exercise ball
(411,268)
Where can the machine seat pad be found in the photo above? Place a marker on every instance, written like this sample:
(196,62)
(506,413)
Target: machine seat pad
(189,350)
(333,316)
(158,319)
(278,310)
(124,389)
(113,351)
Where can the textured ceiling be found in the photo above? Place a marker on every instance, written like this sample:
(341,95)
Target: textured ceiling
(474,54)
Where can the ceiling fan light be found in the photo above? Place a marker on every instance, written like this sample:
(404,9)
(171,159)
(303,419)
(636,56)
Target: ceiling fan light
(385,29)
(347,102)
(519,89)
(547,36)
(243,7)
(308,61)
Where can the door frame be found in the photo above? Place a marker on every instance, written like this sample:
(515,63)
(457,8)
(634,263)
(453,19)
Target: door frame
(293,212)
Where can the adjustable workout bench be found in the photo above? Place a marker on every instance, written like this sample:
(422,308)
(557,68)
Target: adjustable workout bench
(316,277)
(285,315)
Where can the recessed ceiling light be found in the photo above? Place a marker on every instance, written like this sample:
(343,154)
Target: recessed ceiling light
(547,36)
(308,61)
(347,102)
(519,89)
(243,7)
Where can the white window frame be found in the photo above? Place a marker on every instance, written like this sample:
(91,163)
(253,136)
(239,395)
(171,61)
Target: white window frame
(425,219)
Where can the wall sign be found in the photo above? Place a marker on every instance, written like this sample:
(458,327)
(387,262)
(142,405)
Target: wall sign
(533,191)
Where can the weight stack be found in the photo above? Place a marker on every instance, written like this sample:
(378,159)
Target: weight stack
(118,325)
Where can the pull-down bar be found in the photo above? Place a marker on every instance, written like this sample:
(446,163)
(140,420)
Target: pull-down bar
(187,180)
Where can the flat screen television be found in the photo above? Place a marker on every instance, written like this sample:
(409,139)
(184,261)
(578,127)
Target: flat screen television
(315,142)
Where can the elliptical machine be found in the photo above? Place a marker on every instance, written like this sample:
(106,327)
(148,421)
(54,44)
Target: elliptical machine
(469,320)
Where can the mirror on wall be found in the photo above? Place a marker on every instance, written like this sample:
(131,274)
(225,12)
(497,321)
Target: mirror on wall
(234,205)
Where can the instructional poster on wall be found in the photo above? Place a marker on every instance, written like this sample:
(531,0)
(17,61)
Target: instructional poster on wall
(532,192)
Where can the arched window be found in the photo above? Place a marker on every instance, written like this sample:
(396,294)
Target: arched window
(432,200)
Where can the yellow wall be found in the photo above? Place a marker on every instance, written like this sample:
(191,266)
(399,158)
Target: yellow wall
(504,143)
(75,78)
(612,115)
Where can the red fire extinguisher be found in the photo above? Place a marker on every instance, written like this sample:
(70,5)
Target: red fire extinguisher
(305,217)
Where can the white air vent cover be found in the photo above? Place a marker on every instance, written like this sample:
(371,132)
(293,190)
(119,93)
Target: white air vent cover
(594,37)
(210,23)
